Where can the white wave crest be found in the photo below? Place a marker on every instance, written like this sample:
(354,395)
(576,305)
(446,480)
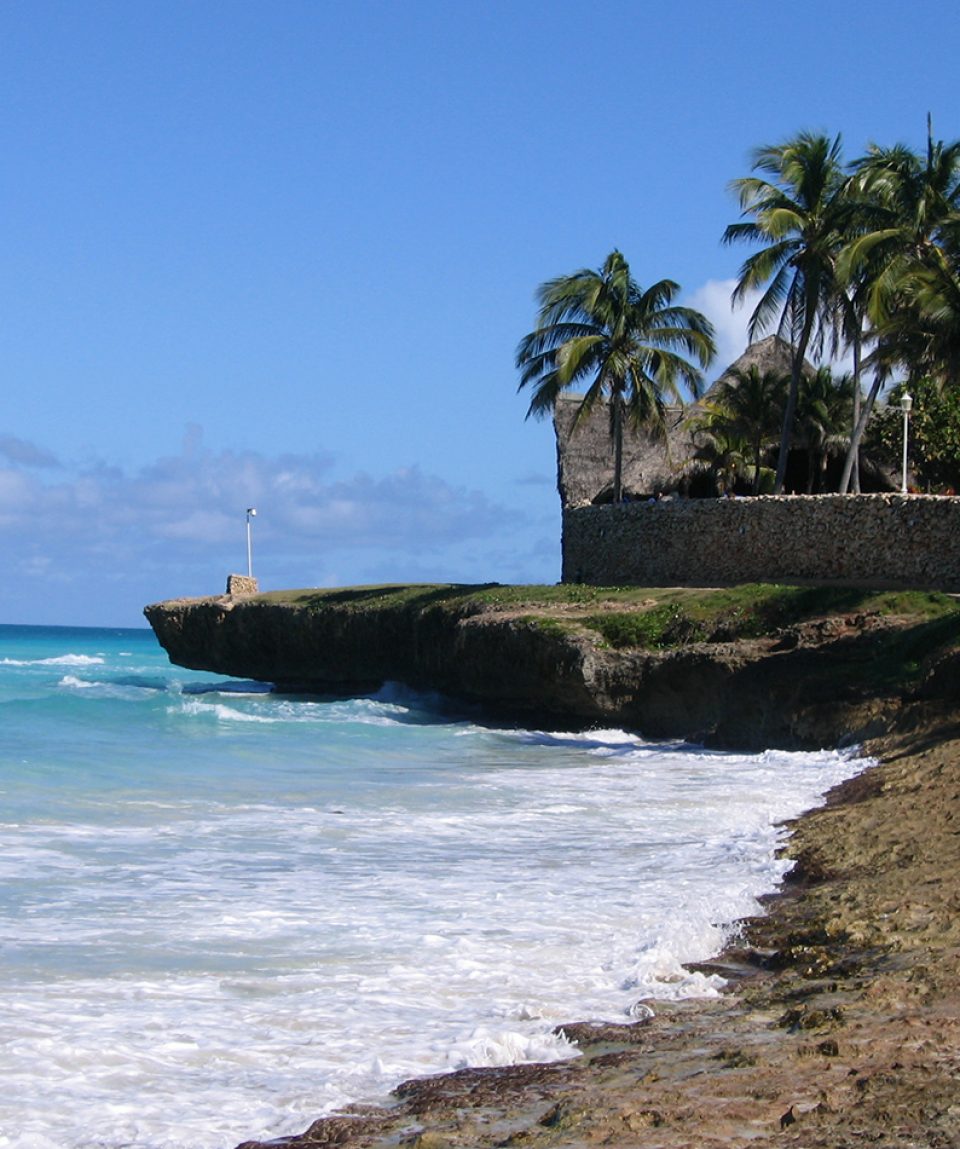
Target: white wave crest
(59,660)
(219,711)
(508,1047)
(73,683)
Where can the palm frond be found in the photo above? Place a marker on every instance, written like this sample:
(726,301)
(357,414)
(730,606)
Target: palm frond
(630,345)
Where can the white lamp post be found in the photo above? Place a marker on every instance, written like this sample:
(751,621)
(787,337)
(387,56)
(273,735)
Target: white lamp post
(906,402)
(250,513)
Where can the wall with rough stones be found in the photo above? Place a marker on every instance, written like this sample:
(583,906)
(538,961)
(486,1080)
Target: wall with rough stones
(874,540)
(242,584)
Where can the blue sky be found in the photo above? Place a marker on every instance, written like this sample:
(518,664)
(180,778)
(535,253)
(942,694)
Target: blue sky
(281,254)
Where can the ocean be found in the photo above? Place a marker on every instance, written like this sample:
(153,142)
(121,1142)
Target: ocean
(224,912)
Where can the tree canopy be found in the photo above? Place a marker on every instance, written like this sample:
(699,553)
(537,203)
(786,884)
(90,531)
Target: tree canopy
(858,259)
(626,345)
(867,254)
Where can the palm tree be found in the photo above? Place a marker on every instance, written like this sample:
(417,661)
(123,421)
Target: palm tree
(850,328)
(911,208)
(912,204)
(625,343)
(924,335)
(823,417)
(749,405)
(800,217)
(723,450)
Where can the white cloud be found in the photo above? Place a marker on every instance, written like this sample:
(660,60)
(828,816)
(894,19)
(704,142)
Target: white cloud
(731,323)
(177,525)
(713,299)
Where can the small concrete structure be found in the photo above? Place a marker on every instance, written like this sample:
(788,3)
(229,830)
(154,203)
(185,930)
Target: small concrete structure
(242,584)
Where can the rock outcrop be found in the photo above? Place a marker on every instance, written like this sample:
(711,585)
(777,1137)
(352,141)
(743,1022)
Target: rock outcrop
(796,689)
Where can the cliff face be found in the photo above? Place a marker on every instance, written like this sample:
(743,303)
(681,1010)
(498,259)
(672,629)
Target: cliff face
(797,690)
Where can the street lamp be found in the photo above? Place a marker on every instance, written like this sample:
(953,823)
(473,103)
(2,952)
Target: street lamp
(906,402)
(250,513)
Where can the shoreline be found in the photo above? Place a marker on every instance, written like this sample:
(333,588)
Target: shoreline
(841,1017)
(841,1024)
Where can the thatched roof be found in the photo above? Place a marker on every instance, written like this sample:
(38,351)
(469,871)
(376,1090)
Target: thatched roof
(770,354)
(650,465)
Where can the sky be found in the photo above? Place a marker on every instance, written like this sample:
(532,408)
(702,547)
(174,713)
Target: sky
(281,255)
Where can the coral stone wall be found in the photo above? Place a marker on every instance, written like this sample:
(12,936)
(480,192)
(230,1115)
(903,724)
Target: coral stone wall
(876,540)
(242,584)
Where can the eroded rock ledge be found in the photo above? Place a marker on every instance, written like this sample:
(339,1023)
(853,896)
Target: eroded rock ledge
(807,686)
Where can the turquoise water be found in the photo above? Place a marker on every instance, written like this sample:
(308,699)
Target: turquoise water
(224,911)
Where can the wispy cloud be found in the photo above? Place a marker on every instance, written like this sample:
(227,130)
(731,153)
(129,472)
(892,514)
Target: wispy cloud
(537,479)
(22,453)
(730,323)
(176,525)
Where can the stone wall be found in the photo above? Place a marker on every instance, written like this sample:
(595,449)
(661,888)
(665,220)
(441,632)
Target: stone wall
(242,584)
(876,540)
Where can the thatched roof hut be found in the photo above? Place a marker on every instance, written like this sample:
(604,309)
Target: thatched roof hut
(651,466)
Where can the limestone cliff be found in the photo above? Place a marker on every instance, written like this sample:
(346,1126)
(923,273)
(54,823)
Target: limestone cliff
(810,686)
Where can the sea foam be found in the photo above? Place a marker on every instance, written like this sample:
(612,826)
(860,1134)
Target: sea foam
(223,912)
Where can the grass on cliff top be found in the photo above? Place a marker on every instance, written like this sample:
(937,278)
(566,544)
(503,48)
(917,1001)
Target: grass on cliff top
(645,617)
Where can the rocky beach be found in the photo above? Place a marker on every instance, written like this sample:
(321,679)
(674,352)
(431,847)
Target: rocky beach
(840,1025)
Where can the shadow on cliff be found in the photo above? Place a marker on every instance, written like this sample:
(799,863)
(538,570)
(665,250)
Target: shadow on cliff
(413,596)
(842,691)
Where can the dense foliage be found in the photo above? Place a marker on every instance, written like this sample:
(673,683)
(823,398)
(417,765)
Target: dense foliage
(859,258)
(864,258)
(933,436)
(631,347)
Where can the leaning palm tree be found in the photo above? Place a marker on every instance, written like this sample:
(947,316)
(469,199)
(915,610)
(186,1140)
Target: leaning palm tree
(911,205)
(800,217)
(627,345)
(852,331)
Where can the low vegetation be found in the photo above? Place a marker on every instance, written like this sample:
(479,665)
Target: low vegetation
(650,618)
(755,611)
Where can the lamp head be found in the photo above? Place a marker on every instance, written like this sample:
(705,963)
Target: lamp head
(906,402)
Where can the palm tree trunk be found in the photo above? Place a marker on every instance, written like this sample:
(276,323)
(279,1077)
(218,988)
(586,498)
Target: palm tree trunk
(861,426)
(855,472)
(757,456)
(617,449)
(790,410)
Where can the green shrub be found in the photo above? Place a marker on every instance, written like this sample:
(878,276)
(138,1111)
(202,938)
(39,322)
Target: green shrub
(654,629)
